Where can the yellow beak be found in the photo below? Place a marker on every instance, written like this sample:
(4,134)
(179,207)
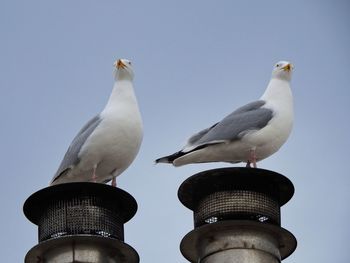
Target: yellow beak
(119,64)
(288,67)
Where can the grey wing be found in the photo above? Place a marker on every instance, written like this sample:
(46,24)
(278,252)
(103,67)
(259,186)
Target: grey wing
(247,118)
(71,157)
(250,106)
(196,137)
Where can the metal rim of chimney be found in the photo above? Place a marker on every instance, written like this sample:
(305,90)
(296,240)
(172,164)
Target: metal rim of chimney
(195,188)
(287,243)
(34,205)
(113,248)
(81,208)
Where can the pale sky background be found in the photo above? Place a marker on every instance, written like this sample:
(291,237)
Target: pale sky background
(195,62)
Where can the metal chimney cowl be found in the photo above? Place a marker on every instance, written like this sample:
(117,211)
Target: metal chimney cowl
(237,216)
(81,222)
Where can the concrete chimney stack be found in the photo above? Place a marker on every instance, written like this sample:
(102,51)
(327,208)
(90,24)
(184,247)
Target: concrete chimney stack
(237,216)
(81,222)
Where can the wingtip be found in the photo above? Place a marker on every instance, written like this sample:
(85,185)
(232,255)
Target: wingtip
(162,160)
(169,158)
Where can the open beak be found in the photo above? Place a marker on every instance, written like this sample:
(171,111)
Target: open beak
(288,67)
(119,64)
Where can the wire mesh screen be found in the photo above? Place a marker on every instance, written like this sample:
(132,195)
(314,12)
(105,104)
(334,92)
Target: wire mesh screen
(82,214)
(237,205)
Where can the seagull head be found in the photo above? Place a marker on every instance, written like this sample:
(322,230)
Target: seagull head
(123,69)
(283,70)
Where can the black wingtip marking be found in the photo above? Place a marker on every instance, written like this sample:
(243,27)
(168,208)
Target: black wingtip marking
(169,158)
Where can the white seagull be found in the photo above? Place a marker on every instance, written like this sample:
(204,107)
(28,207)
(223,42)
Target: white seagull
(110,141)
(249,134)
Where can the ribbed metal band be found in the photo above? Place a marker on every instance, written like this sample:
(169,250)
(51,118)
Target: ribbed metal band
(237,205)
(82,214)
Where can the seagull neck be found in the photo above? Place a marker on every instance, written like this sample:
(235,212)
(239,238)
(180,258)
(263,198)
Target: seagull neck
(123,75)
(123,92)
(276,89)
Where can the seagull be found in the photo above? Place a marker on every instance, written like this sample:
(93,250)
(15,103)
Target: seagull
(251,133)
(110,141)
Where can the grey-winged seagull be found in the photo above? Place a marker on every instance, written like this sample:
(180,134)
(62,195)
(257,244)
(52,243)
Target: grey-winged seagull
(110,141)
(249,134)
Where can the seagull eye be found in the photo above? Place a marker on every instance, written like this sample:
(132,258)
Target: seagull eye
(277,65)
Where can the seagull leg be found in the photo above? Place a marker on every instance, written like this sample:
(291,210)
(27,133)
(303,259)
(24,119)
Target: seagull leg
(94,177)
(252,158)
(114,182)
(248,164)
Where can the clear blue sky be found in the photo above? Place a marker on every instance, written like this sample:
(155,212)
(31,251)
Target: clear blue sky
(195,62)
